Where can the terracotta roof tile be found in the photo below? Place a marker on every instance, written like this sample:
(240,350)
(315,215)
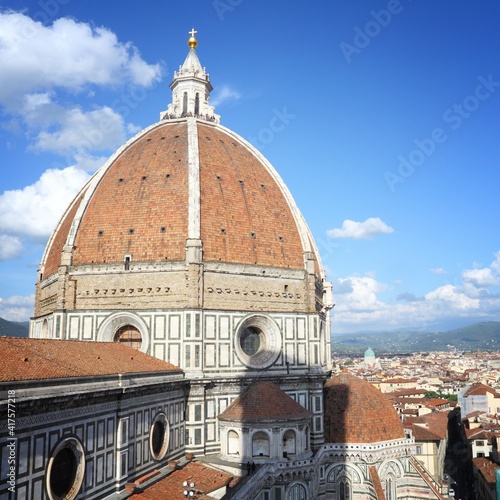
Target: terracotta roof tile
(205,479)
(357,412)
(432,426)
(140,206)
(486,468)
(36,359)
(241,196)
(379,491)
(263,401)
(144,190)
(480,390)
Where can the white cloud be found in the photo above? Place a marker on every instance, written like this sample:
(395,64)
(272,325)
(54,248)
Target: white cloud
(361,230)
(224,93)
(10,247)
(17,308)
(359,293)
(37,64)
(359,306)
(451,298)
(484,277)
(35,210)
(67,55)
(439,270)
(77,131)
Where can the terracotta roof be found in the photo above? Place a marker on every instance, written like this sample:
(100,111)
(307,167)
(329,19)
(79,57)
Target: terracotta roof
(480,390)
(205,479)
(398,380)
(377,485)
(479,433)
(140,205)
(357,412)
(432,426)
(486,468)
(435,402)
(263,401)
(35,359)
(423,434)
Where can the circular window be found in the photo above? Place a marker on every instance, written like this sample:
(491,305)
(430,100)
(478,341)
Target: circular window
(258,341)
(65,470)
(129,335)
(159,435)
(252,340)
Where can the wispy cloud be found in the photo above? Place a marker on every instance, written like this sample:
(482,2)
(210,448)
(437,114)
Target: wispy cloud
(223,94)
(10,247)
(439,270)
(361,230)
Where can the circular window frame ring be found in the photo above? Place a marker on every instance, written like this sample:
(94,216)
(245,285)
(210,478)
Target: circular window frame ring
(107,330)
(160,418)
(266,357)
(76,447)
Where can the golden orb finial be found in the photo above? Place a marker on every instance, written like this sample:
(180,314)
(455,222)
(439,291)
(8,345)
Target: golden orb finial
(193,41)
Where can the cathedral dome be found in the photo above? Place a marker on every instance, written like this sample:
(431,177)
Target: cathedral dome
(181,216)
(357,412)
(145,203)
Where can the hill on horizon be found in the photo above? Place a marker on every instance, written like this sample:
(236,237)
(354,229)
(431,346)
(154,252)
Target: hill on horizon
(484,336)
(13,329)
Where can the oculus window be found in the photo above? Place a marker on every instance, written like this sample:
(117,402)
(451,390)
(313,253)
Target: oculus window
(258,341)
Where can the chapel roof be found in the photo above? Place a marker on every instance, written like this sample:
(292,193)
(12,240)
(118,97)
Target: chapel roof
(357,412)
(36,359)
(263,401)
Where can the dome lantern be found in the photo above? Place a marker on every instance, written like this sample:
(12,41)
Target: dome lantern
(191,89)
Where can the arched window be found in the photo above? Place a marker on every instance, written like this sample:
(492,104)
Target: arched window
(297,492)
(197,104)
(185,103)
(390,488)
(289,443)
(45,330)
(233,443)
(260,445)
(344,492)
(129,335)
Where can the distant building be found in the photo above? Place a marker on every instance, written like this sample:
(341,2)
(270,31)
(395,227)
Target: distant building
(479,397)
(370,360)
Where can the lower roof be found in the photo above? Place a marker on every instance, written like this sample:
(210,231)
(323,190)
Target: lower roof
(37,359)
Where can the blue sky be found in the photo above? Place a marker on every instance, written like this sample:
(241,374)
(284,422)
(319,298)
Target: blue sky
(381,117)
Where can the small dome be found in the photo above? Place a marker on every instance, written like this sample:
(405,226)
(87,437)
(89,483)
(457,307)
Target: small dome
(369,353)
(357,412)
(263,401)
